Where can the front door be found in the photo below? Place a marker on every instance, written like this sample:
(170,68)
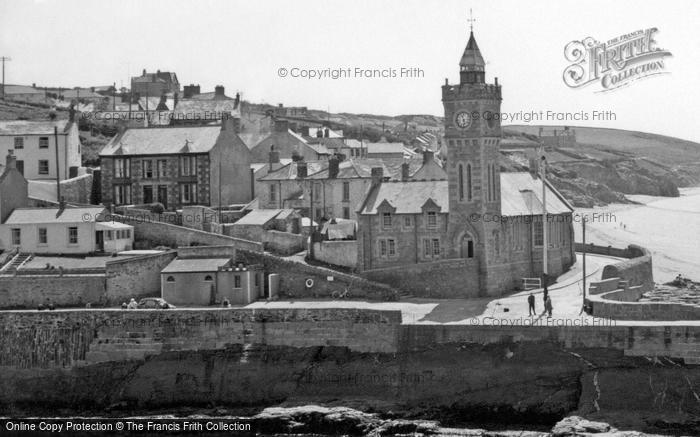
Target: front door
(100,240)
(163,195)
(20,166)
(148,194)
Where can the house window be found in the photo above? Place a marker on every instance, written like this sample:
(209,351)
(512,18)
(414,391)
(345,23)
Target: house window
(382,248)
(346,191)
(19,143)
(122,194)
(392,247)
(236,281)
(346,212)
(121,168)
(43,142)
(162,168)
(127,234)
(188,193)
(208,278)
(73,235)
(317,191)
(432,219)
(43,166)
(426,248)
(108,235)
(170,279)
(42,236)
(436,246)
(319,213)
(188,166)
(407,221)
(273,192)
(147,168)
(16,236)
(386,220)
(539,234)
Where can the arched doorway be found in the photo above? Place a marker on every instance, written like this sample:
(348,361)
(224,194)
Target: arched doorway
(466,246)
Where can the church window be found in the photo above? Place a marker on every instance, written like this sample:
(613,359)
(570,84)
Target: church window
(460,172)
(469,182)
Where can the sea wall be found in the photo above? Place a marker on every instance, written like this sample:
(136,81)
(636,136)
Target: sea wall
(28,291)
(137,360)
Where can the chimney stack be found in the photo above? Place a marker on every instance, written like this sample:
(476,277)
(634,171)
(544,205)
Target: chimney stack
(302,170)
(229,122)
(377,175)
(281,125)
(144,72)
(428,155)
(10,160)
(333,167)
(405,172)
(219,91)
(274,158)
(304,131)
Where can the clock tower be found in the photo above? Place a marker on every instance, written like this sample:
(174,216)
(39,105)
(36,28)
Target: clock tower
(472,136)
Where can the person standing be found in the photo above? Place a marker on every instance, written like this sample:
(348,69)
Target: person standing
(548,306)
(531,305)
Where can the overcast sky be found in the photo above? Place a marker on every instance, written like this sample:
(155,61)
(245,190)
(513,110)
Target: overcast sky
(243,44)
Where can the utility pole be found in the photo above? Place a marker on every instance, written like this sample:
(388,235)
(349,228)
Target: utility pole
(3,59)
(583,224)
(545,242)
(58,168)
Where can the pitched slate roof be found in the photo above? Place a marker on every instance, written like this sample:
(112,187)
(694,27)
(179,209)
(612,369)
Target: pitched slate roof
(261,216)
(521,194)
(407,197)
(23,216)
(195,265)
(25,127)
(205,109)
(289,171)
(376,148)
(351,168)
(163,141)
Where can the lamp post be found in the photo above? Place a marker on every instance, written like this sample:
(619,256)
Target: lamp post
(545,242)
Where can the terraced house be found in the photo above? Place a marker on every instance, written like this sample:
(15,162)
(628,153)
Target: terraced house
(177,166)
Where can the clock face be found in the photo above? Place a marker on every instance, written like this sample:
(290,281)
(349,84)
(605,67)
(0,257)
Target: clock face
(463,119)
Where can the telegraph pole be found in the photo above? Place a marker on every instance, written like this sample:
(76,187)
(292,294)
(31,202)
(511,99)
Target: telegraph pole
(545,242)
(3,59)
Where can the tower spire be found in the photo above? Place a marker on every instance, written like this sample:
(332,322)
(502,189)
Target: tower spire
(472,65)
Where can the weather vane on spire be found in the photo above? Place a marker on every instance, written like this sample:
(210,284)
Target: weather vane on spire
(471,20)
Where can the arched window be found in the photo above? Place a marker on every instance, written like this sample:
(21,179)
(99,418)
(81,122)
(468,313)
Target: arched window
(460,172)
(469,182)
(208,278)
(170,279)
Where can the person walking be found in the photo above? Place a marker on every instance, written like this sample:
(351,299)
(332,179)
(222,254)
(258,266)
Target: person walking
(531,305)
(548,306)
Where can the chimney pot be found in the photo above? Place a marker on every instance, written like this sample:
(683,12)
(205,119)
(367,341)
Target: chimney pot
(302,169)
(274,157)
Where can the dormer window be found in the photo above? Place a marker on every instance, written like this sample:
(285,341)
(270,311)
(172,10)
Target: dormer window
(386,220)
(431,219)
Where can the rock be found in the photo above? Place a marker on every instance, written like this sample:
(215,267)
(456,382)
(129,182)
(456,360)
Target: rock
(574,425)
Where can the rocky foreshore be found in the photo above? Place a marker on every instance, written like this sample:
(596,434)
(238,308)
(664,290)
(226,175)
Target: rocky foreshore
(332,421)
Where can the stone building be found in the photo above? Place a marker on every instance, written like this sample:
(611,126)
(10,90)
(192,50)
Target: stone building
(288,144)
(34,146)
(492,221)
(14,192)
(177,166)
(155,84)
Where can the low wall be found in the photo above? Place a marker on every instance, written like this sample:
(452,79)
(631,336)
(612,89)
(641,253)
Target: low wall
(338,253)
(135,277)
(28,291)
(67,338)
(622,304)
(605,250)
(636,271)
(293,277)
(452,278)
(165,234)
(206,252)
(283,243)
